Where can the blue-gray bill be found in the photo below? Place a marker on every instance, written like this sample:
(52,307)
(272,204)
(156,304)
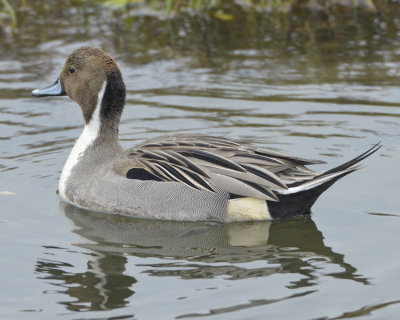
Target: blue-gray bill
(55,89)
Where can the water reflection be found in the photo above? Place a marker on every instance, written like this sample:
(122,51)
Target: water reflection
(189,251)
(102,286)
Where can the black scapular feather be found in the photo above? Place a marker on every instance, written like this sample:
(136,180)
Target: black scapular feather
(141,174)
(212,158)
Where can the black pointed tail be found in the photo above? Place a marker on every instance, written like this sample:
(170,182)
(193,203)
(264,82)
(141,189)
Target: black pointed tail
(300,197)
(352,162)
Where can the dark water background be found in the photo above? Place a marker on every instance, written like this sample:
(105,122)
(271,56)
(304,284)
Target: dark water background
(303,83)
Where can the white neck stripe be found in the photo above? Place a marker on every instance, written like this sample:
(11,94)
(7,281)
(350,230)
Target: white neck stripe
(87,137)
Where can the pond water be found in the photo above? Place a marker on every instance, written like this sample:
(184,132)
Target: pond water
(324,95)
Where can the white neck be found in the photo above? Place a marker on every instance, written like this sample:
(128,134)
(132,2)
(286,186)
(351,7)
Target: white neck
(87,137)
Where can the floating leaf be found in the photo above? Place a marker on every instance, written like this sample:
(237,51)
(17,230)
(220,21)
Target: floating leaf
(220,14)
(6,193)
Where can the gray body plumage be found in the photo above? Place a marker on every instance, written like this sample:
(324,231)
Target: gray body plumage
(103,188)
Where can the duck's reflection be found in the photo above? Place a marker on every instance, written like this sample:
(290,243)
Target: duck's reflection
(102,286)
(189,250)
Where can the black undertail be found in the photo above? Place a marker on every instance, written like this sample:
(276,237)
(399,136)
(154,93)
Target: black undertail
(299,203)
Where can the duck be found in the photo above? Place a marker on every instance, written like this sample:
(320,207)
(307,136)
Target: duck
(185,177)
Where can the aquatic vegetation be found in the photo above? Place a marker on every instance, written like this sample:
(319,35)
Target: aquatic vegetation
(221,8)
(227,10)
(145,30)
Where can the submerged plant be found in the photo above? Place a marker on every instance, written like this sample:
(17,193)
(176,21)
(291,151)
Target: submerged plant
(8,13)
(122,3)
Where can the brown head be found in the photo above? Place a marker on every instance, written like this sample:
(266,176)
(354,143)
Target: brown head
(85,73)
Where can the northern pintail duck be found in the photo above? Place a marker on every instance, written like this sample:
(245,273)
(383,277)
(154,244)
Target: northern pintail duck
(175,177)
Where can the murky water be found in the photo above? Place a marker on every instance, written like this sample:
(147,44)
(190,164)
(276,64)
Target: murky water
(315,95)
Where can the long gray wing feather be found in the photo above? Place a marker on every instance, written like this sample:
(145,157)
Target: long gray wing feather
(239,187)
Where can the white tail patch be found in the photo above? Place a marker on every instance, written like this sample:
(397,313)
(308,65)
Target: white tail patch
(247,209)
(314,183)
(87,137)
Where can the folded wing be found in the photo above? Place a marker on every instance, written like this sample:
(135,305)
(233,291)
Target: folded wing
(210,163)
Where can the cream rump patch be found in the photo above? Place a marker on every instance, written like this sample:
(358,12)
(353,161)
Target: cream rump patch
(246,208)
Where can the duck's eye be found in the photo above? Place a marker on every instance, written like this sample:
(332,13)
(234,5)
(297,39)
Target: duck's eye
(71,69)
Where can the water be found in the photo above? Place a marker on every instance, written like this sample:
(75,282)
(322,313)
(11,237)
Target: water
(330,99)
